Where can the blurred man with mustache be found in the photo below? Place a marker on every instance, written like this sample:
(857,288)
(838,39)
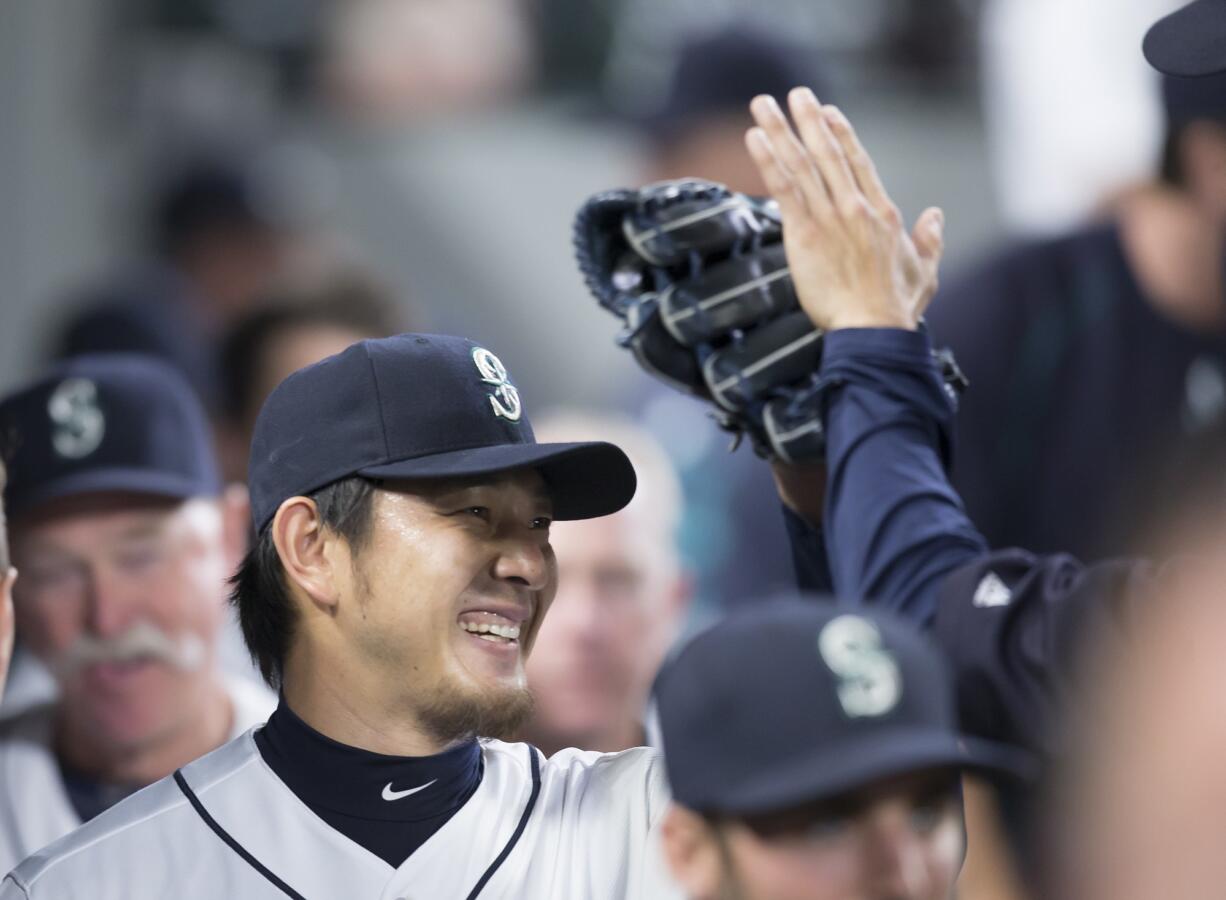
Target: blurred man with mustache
(117,515)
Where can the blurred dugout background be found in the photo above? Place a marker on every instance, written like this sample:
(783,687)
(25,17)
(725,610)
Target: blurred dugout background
(444,145)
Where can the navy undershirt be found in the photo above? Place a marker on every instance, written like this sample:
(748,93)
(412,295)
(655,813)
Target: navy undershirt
(90,797)
(346,786)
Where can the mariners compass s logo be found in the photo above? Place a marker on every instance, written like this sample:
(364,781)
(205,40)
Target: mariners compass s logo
(77,422)
(505,399)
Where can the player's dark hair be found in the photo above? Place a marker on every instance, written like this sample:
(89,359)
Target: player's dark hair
(347,300)
(258,591)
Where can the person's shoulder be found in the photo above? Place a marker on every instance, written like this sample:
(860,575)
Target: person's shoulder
(588,780)
(624,761)
(129,821)
(123,833)
(1020,263)
(580,767)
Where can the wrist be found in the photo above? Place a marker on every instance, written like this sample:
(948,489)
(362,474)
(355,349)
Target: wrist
(870,320)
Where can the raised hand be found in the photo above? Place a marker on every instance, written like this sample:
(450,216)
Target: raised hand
(852,262)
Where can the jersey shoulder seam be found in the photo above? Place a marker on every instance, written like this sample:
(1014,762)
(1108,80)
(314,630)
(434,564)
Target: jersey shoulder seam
(55,861)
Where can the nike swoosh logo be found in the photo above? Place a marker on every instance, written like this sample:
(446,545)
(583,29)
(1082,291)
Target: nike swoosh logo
(389,794)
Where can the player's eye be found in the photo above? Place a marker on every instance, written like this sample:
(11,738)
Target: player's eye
(480,512)
(541,523)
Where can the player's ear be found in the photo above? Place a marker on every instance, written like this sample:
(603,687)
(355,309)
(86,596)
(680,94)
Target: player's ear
(307,551)
(691,853)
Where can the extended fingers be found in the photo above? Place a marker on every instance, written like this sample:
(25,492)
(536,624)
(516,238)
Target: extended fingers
(860,163)
(825,150)
(928,235)
(795,160)
(777,179)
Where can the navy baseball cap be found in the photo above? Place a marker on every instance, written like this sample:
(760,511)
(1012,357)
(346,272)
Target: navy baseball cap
(109,422)
(796,701)
(1190,42)
(718,73)
(417,406)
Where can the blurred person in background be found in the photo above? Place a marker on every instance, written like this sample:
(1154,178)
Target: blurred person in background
(622,597)
(696,124)
(220,235)
(1095,354)
(813,753)
(289,331)
(126,541)
(1137,809)
(732,533)
(6,592)
(1073,114)
(391,61)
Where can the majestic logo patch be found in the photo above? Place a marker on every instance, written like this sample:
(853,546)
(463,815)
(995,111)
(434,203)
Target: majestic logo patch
(991,592)
(505,399)
(869,681)
(77,422)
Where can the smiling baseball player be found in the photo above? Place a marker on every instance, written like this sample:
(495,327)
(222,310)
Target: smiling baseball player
(399,576)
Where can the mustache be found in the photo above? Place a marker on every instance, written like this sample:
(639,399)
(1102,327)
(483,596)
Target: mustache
(142,640)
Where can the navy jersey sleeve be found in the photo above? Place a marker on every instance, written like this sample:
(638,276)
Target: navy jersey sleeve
(1014,627)
(897,536)
(894,525)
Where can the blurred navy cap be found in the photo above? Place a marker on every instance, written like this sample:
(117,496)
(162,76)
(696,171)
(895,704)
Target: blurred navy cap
(417,406)
(793,701)
(109,422)
(1188,99)
(1190,42)
(215,192)
(717,74)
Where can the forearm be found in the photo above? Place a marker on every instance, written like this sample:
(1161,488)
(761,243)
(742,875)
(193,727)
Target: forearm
(809,559)
(894,527)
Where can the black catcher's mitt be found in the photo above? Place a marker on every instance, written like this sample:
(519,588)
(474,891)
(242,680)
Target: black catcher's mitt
(698,276)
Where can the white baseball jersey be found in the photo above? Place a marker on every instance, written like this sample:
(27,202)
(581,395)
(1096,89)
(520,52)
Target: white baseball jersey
(34,805)
(580,826)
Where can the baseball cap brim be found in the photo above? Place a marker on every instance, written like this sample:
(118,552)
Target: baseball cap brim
(585,480)
(1189,42)
(153,483)
(873,757)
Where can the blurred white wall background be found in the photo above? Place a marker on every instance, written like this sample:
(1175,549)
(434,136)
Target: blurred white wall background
(1072,108)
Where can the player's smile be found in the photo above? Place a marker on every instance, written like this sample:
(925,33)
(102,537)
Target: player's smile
(498,627)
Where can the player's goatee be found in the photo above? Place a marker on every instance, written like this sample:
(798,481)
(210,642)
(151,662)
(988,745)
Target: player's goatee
(496,714)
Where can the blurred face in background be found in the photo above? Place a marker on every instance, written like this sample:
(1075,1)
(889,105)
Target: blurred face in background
(621,595)
(899,839)
(294,348)
(234,267)
(282,353)
(1202,158)
(711,148)
(122,597)
(1142,803)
